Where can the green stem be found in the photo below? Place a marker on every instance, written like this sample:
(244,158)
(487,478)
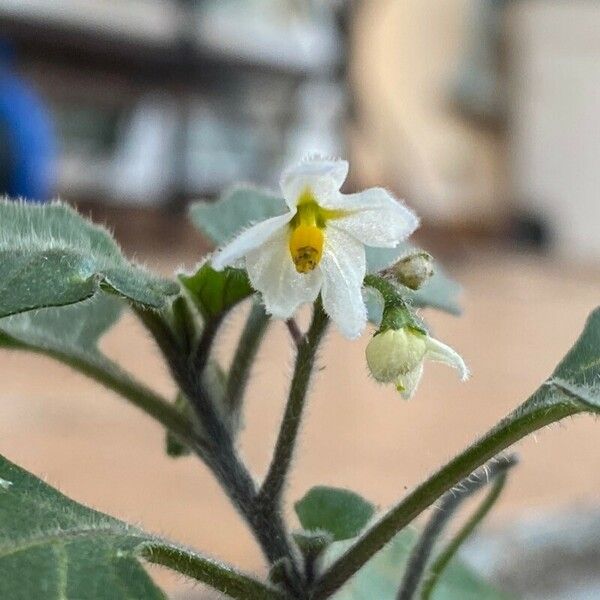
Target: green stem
(220,454)
(248,345)
(109,374)
(441,562)
(218,576)
(442,514)
(530,417)
(272,487)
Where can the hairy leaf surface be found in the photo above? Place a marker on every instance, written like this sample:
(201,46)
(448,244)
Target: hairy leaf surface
(52,256)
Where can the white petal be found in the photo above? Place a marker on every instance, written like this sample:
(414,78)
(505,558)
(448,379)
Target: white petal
(249,239)
(323,177)
(439,352)
(407,384)
(377,218)
(272,272)
(343,266)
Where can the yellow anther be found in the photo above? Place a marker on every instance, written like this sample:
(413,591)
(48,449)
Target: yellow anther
(306,246)
(307,231)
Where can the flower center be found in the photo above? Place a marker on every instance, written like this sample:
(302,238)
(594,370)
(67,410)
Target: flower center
(307,232)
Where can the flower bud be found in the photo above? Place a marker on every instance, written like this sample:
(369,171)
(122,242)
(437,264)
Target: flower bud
(414,270)
(395,352)
(397,356)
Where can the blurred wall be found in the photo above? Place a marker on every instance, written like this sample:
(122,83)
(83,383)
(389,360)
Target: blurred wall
(406,59)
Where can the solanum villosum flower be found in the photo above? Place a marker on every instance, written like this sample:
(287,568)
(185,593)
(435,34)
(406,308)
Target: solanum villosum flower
(319,244)
(397,356)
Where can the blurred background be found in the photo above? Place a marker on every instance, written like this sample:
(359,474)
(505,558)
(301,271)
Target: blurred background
(483,114)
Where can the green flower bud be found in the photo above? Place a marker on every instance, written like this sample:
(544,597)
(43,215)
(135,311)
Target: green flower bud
(395,352)
(397,356)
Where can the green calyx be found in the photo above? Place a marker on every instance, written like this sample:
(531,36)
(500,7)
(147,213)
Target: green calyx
(397,313)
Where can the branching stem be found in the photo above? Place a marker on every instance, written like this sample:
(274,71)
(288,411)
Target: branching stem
(448,505)
(441,562)
(528,418)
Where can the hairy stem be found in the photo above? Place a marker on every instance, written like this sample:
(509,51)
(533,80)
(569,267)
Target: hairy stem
(531,416)
(248,345)
(441,562)
(220,454)
(272,487)
(218,576)
(448,505)
(295,331)
(103,370)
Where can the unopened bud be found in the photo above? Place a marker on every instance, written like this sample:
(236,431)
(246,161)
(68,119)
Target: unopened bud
(414,270)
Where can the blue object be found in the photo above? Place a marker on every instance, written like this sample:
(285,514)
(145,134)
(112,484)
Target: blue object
(27,142)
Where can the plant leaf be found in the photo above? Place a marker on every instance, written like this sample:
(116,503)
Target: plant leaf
(51,256)
(237,208)
(71,332)
(216,292)
(380,577)
(340,512)
(53,548)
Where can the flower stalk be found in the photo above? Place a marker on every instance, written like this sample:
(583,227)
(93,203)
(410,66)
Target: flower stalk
(273,484)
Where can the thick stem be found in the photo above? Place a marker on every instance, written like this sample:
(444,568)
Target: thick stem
(272,487)
(528,418)
(218,576)
(220,455)
(448,505)
(441,562)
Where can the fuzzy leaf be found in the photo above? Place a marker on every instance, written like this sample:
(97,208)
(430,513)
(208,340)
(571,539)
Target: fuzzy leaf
(237,208)
(216,292)
(52,548)
(575,383)
(69,332)
(51,256)
(340,512)
(381,576)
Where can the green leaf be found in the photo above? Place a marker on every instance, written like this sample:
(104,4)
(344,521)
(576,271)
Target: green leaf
(340,512)
(51,256)
(216,292)
(237,208)
(68,330)
(381,576)
(52,548)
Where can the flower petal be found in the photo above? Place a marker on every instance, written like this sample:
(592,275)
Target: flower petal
(343,266)
(439,352)
(249,239)
(376,219)
(407,384)
(323,177)
(272,272)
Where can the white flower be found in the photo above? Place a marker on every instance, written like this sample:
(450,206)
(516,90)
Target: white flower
(319,245)
(397,355)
